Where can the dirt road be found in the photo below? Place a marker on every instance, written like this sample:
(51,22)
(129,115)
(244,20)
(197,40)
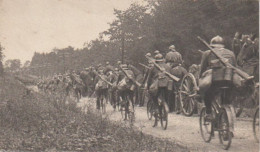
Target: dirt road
(185,130)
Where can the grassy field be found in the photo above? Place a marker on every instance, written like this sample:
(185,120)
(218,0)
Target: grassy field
(32,121)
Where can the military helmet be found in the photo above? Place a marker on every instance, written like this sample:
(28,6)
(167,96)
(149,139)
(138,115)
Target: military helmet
(119,62)
(107,63)
(148,54)
(116,69)
(172,47)
(156,52)
(217,41)
(124,66)
(101,71)
(158,57)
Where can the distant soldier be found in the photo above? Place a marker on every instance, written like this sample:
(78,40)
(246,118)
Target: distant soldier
(158,83)
(101,87)
(173,58)
(156,52)
(113,78)
(146,74)
(139,78)
(119,63)
(108,68)
(126,87)
(147,71)
(178,71)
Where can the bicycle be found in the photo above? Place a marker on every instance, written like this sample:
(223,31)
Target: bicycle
(150,109)
(127,108)
(163,109)
(223,120)
(256,124)
(103,103)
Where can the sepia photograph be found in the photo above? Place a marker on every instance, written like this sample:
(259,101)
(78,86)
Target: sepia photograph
(129,76)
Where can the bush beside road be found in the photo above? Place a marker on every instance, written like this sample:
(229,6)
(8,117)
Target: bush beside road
(31,121)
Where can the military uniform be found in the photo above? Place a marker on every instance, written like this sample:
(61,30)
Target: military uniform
(125,86)
(108,68)
(158,81)
(179,72)
(112,90)
(221,75)
(139,78)
(173,58)
(101,88)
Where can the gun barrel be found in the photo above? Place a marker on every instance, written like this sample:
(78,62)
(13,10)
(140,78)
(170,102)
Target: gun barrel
(145,66)
(168,74)
(135,82)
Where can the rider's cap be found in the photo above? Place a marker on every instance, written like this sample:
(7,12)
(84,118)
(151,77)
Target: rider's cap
(148,54)
(217,41)
(124,66)
(158,57)
(172,47)
(156,52)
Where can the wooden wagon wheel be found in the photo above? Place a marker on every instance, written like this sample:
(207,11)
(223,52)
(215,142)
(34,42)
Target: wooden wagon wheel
(187,94)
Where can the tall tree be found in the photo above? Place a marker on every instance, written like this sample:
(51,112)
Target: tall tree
(13,65)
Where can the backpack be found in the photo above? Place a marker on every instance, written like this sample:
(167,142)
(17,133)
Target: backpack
(101,84)
(220,71)
(162,79)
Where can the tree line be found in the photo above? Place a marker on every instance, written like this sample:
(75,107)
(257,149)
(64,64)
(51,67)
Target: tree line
(146,28)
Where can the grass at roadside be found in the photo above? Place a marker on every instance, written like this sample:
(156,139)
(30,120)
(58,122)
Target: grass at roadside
(39,122)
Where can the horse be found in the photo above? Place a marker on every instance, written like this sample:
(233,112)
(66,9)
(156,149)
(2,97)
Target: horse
(248,61)
(248,58)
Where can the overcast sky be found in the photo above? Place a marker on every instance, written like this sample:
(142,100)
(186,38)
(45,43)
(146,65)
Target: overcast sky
(27,26)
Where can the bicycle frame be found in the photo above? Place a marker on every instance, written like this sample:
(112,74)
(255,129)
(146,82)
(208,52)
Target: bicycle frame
(217,107)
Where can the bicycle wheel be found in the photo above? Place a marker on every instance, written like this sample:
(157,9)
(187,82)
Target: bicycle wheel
(187,94)
(164,110)
(206,128)
(121,107)
(126,111)
(225,135)
(131,114)
(150,110)
(122,111)
(256,125)
(103,104)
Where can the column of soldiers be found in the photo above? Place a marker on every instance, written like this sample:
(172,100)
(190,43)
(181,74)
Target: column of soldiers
(150,80)
(157,82)
(124,80)
(67,84)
